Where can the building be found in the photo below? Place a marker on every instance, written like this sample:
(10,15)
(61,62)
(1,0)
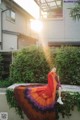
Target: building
(59,28)
(15,31)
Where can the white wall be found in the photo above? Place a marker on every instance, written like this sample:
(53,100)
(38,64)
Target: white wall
(64,29)
(9,42)
(21,24)
(75,115)
(71,27)
(4,107)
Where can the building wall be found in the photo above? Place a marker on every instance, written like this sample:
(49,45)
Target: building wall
(13,29)
(72,27)
(24,42)
(22,21)
(64,29)
(4,107)
(20,24)
(9,42)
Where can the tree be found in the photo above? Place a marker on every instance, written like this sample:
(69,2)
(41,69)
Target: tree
(75,11)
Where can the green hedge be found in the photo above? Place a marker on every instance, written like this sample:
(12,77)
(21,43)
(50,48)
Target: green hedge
(5,83)
(68,61)
(5,60)
(30,65)
(13,103)
(1,67)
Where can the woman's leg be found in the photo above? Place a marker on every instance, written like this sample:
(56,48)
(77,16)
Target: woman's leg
(59,96)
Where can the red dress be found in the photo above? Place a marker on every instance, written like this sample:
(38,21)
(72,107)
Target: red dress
(38,102)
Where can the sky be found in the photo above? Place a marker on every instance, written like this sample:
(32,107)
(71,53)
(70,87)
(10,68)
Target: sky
(30,6)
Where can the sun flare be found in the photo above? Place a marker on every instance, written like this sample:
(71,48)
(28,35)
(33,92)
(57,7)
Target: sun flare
(36,25)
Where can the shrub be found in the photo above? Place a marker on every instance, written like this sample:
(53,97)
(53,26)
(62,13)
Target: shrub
(68,61)
(30,65)
(5,83)
(1,67)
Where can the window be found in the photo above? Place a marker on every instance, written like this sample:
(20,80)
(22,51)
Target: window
(50,8)
(11,15)
(0,1)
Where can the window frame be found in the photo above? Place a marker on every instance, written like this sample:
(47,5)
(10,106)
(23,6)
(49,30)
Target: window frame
(9,16)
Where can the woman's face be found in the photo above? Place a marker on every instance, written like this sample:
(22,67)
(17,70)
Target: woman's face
(54,69)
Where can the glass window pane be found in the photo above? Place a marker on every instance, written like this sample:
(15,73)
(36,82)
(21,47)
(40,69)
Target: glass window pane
(13,16)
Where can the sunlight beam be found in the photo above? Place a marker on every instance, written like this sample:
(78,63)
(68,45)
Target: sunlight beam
(36,25)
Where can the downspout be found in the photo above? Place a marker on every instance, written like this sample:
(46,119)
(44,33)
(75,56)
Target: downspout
(2,27)
(1,31)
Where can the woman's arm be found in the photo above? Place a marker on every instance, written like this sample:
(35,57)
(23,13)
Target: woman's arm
(59,83)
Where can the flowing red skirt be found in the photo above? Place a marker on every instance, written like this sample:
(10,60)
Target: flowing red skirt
(35,102)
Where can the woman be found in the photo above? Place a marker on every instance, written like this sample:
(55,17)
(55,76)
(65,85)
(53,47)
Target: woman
(58,86)
(38,102)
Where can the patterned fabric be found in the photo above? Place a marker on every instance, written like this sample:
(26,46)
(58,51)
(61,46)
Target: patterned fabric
(38,102)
